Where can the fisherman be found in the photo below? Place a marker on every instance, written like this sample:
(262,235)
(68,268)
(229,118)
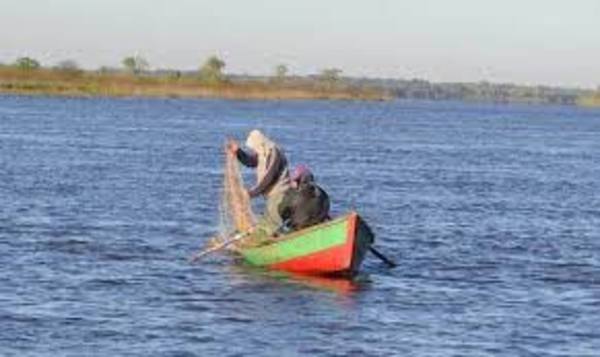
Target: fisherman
(272,177)
(306,204)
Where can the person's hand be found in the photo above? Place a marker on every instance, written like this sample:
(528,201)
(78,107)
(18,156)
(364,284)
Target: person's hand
(232,147)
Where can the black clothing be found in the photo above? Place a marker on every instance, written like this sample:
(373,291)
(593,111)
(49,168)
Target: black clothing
(305,206)
(276,163)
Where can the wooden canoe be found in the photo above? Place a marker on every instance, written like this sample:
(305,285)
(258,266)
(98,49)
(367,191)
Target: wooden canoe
(336,247)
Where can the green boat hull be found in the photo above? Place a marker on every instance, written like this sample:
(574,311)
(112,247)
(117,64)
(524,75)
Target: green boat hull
(334,247)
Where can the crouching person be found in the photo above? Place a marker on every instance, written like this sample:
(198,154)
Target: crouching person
(305,204)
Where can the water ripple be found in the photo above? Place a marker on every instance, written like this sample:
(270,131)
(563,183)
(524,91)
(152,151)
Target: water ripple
(491,211)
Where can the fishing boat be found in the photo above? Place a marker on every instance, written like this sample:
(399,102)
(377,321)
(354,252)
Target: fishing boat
(333,248)
(336,247)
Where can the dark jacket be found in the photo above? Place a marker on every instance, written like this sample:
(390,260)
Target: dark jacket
(275,168)
(305,206)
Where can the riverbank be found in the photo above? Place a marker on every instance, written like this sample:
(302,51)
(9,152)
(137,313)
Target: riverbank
(91,84)
(175,84)
(590,101)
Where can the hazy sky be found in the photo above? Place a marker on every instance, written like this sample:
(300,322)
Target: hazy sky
(553,42)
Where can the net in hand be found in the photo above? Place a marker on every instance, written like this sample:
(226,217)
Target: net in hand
(235,210)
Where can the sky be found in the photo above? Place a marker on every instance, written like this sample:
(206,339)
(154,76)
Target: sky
(549,42)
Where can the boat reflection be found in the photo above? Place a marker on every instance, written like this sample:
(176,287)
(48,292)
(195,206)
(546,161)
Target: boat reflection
(338,285)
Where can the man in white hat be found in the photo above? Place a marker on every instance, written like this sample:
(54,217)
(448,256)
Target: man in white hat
(272,176)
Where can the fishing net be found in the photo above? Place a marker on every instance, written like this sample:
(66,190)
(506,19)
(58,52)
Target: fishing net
(235,210)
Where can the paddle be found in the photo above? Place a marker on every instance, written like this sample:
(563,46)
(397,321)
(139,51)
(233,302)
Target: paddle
(232,240)
(219,246)
(390,263)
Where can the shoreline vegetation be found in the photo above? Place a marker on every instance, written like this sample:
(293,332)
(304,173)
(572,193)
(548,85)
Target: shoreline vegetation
(591,100)
(134,79)
(27,76)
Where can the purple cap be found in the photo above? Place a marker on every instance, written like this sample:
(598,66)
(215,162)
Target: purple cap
(302,173)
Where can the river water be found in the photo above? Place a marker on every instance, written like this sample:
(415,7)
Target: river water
(492,212)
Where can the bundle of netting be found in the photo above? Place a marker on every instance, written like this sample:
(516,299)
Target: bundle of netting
(235,210)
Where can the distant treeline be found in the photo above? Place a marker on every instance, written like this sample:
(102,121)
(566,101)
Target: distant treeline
(483,91)
(27,75)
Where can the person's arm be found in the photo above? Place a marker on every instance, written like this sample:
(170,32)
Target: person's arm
(247,159)
(275,162)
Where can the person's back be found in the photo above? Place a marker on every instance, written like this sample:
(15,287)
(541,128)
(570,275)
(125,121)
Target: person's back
(306,204)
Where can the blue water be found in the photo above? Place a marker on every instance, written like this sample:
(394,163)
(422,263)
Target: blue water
(492,212)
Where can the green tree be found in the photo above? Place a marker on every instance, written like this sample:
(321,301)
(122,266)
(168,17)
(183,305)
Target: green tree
(135,64)
(211,71)
(281,71)
(174,75)
(330,75)
(69,67)
(27,63)
(106,70)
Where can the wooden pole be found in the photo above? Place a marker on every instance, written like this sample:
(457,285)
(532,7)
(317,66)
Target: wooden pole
(218,247)
(390,263)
